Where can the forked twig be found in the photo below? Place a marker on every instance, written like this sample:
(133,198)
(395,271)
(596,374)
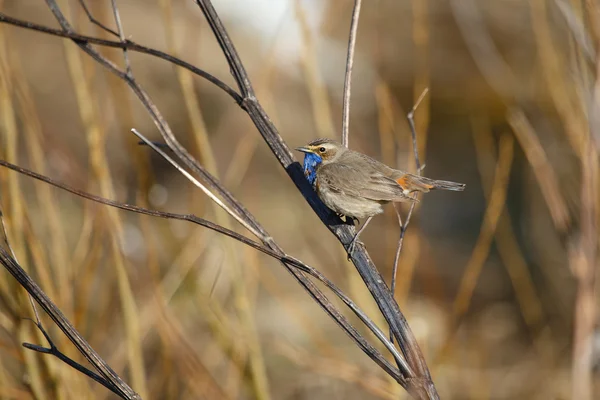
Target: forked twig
(404,226)
(54,351)
(94,20)
(128,44)
(116,384)
(348,75)
(117,17)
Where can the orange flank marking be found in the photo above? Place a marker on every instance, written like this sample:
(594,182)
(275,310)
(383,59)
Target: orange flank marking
(408,184)
(402,182)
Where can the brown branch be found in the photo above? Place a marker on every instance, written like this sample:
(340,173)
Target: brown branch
(404,226)
(127,44)
(118,385)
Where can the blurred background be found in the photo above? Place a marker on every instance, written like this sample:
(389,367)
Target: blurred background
(497,282)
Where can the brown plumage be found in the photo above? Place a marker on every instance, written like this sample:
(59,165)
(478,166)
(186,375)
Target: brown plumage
(356,185)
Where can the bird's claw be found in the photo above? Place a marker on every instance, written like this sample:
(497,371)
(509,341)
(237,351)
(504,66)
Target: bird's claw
(351,246)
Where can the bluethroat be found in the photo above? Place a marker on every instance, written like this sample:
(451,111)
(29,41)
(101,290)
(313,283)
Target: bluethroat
(357,186)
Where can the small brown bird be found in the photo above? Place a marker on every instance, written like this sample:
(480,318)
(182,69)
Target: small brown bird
(357,186)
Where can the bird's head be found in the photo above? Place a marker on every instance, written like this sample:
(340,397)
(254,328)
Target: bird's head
(322,150)
(317,152)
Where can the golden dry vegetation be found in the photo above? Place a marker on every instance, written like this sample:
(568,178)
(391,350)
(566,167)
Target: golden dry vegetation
(497,282)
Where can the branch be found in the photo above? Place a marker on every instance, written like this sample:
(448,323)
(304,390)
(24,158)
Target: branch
(53,350)
(404,226)
(116,384)
(128,45)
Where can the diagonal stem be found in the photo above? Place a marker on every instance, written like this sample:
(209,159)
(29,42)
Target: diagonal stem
(348,77)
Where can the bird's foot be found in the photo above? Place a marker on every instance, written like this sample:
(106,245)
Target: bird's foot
(351,246)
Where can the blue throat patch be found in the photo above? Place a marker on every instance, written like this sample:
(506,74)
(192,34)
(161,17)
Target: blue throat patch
(311,162)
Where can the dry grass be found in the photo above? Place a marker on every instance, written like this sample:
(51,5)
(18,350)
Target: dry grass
(498,282)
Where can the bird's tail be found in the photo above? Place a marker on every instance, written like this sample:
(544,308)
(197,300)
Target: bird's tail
(415,183)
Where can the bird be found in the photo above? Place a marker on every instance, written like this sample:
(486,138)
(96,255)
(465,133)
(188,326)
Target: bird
(357,186)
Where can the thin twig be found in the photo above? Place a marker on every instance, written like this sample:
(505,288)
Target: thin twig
(94,20)
(54,351)
(413,130)
(117,16)
(404,226)
(12,252)
(197,183)
(348,77)
(128,44)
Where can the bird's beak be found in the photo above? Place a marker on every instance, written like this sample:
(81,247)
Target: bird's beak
(304,149)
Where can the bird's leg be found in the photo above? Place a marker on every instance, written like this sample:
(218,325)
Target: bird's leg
(353,242)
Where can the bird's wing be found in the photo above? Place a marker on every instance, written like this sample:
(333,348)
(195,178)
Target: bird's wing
(361,181)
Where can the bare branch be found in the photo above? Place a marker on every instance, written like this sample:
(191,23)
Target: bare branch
(198,184)
(128,44)
(120,387)
(94,20)
(117,16)
(53,350)
(404,226)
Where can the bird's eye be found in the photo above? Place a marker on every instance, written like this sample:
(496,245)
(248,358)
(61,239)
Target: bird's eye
(322,149)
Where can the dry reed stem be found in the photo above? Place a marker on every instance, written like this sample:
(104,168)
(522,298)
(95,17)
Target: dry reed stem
(9,149)
(317,88)
(555,75)
(199,378)
(584,262)
(348,75)
(16,217)
(96,137)
(542,168)
(57,248)
(194,113)
(46,200)
(493,211)
(337,369)
(422,72)
(165,289)
(508,247)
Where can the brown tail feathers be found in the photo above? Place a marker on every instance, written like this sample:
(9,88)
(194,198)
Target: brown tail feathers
(415,183)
